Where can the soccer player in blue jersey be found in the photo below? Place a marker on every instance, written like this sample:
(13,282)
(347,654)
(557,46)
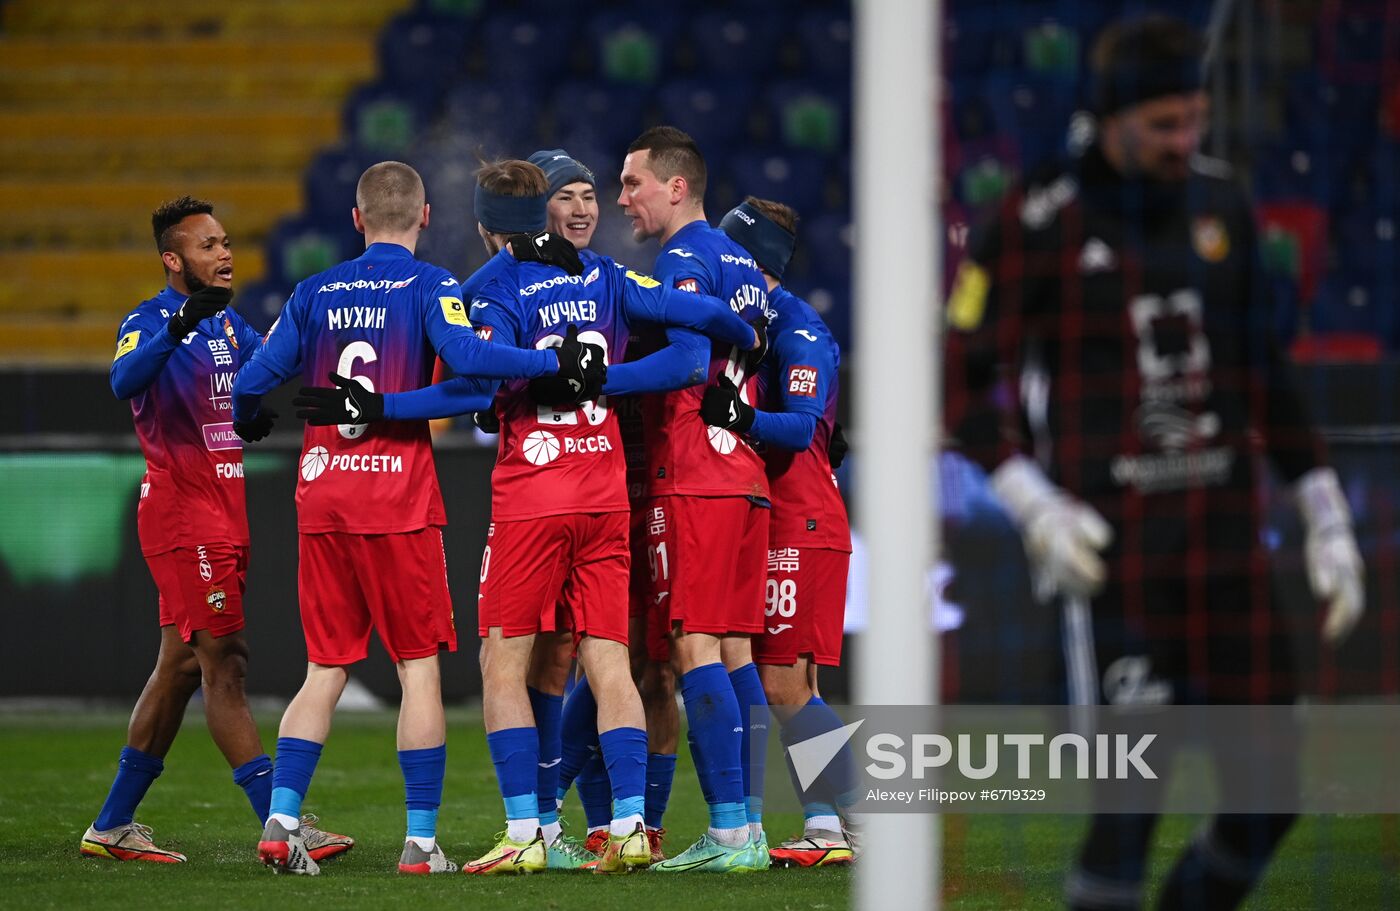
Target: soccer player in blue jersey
(175,360)
(368,505)
(809,542)
(707,513)
(559,515)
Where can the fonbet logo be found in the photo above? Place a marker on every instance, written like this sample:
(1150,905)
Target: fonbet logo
(314,463)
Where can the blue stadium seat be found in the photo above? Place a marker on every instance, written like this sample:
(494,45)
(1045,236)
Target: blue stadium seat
(525,49)
(1296,171)
(825,239)
(598,114)
(736,43)
(1346,304)
(422,49)
(385,118)
(825,129)
(302,245)
(825,39)
(713,112)
(259,302)
(829,293)
(1035,111)
(500,114)
(797,180)
(331,178)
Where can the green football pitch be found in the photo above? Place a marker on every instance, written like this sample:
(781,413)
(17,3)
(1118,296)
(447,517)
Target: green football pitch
(55,769)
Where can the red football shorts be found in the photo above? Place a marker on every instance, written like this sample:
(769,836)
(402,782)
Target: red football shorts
(528,567)
(201,588)
(804,605)
(709,556)
(639,596)
(394,584)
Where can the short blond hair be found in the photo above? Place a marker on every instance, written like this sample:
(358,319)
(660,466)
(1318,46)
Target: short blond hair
(390,197)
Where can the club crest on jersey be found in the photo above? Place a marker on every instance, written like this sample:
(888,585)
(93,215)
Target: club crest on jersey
(216,599)
(1209,237)
(228,331)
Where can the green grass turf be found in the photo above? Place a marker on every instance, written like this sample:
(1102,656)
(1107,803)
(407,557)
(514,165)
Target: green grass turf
(55,770)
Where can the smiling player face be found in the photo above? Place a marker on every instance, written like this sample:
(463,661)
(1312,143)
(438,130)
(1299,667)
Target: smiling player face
(202,252)
(644,198)
(573,213)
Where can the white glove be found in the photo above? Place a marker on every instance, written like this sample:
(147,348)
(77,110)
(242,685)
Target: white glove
(1062,536)
(1335,572)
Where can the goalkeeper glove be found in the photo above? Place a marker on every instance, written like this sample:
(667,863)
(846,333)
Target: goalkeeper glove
(1062,536)
(838,447)
(259,427)
(544,247)
(349,403)
(722,407)
(1335,572)
(198,307)
(582,371)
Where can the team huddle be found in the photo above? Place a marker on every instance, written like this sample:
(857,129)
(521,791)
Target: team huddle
(664,513)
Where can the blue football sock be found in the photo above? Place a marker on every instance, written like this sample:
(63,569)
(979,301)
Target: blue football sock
(713,714)
(701,772)
(548,710)
(836,785)
(661,771)
(255,778)
(135,773)
(595,792)
(423,772)
(291,775)
(516,754)
(578,734)
(753,709)
(625,754)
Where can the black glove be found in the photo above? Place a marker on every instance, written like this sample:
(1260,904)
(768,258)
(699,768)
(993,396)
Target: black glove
(349,403)
(582,371)
(752,358)
(487,422)
(838,447)
(722,407)
(259,427)
(544,247)
(200,305)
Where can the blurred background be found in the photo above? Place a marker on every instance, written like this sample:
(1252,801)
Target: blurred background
(272,109)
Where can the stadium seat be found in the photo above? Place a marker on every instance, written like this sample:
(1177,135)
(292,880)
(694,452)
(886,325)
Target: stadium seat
(736,43)
(521,49)
(384,119)
(423,49)
(829,293)
(714,112)
(825,39)
(798,180)
(1301,227)
(810,116)
(1285,171)
(502,117)
(331,178)
(1035,111)
(634,44)
(259,302)
(301,246)
(598,114)
(1347,305)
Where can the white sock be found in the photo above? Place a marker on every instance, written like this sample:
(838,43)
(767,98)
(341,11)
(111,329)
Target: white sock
(731,838)
(427,844)
(552,832)
(626,825)
(822,824)
(592,829)
(288,822)
(755,830)
(522,829)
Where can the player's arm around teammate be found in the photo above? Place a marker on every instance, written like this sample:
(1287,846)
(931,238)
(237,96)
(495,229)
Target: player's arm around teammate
(175,359)
(809,540)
